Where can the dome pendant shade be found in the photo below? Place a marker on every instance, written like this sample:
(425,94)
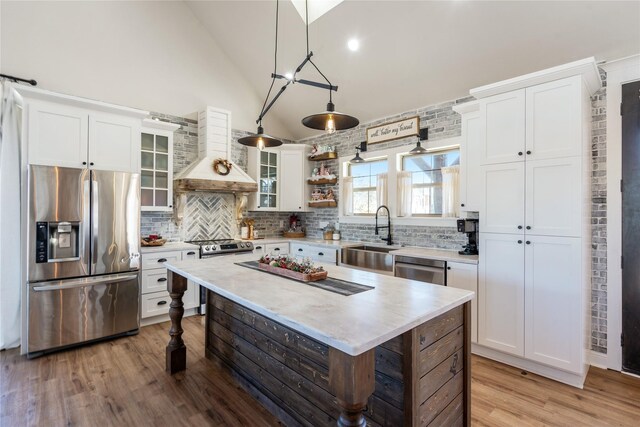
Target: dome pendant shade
(419,149)
(340,121)
(260,140)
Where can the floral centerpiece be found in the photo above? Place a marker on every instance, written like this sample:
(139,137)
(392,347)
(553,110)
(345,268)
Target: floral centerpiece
(285,265)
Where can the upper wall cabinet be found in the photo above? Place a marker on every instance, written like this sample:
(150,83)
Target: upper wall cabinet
(502,128)
(68,131)
(281,174)
(470,154)
(156,158)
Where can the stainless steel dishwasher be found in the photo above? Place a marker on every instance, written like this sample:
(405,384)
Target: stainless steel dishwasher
(421,269)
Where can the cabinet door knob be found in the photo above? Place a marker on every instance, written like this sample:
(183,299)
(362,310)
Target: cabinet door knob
(462,204)
(528,151)
(84,163)
(528,242)
(528,227)
(519,242)
(170,206)
(91,164)
(448,268)
(519,227)
(519,153)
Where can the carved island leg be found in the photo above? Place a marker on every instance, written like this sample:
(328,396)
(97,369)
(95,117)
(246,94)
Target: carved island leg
(352,380)
(176,350)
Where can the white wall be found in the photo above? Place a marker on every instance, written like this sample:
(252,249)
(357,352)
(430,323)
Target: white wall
(150,55)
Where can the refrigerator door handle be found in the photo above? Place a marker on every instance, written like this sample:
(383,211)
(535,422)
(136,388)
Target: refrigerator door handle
(95,209)
(89,281)
(86,223)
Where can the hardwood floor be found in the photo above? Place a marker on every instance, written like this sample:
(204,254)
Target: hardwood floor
(123,383)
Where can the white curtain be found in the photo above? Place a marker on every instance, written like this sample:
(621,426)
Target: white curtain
(404,192)
(451,191)
(347,196)
(382,189)
(10,242)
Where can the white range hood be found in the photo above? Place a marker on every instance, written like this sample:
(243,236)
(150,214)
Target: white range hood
(214,142)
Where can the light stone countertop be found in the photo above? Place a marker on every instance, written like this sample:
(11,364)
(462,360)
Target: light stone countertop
(353,324)
(169,246)
(336,244)
(437,254)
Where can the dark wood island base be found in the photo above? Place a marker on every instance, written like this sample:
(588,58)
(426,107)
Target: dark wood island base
(420,378)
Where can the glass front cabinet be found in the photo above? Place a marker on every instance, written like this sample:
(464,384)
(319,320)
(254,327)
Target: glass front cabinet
(156,166)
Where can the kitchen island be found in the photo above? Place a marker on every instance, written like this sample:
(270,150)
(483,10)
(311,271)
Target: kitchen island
(395,352)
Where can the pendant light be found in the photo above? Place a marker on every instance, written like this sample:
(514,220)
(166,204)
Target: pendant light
(261,140)
(362,147)
(329,120)
(419,149)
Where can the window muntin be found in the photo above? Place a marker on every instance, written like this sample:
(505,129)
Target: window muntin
(426,171)
(365,182)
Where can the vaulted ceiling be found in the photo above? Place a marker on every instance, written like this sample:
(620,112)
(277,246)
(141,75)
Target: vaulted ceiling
(412,53)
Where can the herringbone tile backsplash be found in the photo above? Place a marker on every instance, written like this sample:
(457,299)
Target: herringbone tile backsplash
(209,216)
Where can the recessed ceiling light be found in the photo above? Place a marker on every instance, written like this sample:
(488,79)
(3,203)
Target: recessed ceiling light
(353,44)
(289,75)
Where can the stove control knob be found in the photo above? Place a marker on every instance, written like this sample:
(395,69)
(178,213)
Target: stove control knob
(213,247)
(242,245)
(206,248)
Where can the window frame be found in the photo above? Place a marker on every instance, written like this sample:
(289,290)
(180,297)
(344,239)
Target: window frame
(394,159)
(367,189)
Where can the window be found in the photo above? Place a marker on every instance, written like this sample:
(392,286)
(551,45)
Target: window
(156,175)
(426,175)
(365,183)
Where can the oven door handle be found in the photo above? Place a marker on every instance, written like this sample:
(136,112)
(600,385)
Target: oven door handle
(89,281)
(439,270)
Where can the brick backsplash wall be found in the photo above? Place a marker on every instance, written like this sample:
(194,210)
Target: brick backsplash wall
(599,219)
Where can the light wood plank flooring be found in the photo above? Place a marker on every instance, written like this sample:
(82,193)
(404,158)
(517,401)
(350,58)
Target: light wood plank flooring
(122,383)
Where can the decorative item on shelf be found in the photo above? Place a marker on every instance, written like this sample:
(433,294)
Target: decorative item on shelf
(222,166)
(153,240)
(322,199)
(395,130)
(295,228)
(329,155)
(287,266)
(424,135)
(329,120)
(359,148)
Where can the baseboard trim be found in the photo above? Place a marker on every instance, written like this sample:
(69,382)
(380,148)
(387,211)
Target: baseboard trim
(599,360)
(559,375)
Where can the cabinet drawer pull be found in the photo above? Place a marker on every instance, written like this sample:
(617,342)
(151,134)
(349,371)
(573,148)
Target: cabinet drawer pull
(162,260)
(191,253)
(454,364)
(258,247)
(299,249)
(162,279)
(276,249)
(519,227)
(528,242)
(321,253)
(162,302)
(528,227)
(520,153)
(528,151)
(519,242)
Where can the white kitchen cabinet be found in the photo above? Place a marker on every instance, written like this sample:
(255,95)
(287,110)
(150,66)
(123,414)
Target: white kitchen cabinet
(58,135)
(155,298)
(503,205)
(294,171)
(501,293)
(553,304)
(465,276)
(316,253)
(554,197)
(471,189)
(502,128)
(554,120)
(70,136)
(280,248)
(114,142)
(281,174)
(156,161)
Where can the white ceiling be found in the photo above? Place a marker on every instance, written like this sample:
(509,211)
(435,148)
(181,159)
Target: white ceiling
(412,53)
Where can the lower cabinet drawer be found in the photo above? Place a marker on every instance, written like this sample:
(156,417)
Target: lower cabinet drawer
(276,248)
(316,253)
(154,280)
(155,304)
(157,259)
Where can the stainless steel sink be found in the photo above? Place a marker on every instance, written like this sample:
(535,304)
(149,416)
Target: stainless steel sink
(369,257)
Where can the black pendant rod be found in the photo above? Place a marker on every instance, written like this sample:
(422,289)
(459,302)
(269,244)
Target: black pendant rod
(18,79)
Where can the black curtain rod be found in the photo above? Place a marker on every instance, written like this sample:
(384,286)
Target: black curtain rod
(18,79)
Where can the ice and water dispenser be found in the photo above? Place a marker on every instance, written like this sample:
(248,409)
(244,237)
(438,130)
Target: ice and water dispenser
(57,241)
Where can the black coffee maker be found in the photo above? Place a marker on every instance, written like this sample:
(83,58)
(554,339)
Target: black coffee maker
(469,226)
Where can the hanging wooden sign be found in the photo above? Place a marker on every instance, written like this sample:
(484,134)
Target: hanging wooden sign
(394,130)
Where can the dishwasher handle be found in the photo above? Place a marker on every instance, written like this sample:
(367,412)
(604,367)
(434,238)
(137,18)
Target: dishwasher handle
(438,270)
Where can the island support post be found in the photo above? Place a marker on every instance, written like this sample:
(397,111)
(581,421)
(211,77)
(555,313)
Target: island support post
(176,350)
(352,380)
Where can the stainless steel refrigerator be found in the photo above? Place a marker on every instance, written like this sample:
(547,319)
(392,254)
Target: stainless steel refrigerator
(83,256)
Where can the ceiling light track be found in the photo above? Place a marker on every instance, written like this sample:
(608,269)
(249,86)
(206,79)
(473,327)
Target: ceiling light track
(329,120)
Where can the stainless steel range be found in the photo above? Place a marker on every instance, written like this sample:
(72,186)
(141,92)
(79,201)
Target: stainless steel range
(217,247)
